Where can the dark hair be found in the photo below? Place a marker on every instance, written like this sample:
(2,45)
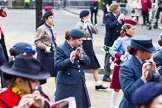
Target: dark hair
(124,27)
(67,35)
(160,42)
(12,53)
(131,51)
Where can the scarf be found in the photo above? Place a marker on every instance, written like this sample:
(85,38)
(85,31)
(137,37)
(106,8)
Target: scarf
(89,30)
(53,36)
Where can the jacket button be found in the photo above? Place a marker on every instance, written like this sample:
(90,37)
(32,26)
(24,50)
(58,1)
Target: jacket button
(78,70)
(68,73)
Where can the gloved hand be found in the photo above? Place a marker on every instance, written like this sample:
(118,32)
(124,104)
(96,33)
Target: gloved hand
(48,49)
(123,57)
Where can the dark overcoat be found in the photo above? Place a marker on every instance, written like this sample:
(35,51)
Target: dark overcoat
(113,28)
(158,60)
(130,79)
(70,77)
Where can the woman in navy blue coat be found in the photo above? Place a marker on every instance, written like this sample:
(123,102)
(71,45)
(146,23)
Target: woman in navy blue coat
(138,70)
(69,59)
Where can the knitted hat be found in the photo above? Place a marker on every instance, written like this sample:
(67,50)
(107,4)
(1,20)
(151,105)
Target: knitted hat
(113,7)
(76,33)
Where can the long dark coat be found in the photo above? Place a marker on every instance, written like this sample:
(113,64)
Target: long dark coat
(130,79)
(113,28)
(70,77)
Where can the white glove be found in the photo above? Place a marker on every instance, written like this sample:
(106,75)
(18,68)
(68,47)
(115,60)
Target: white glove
(48,49)
(123,57)
(121,17)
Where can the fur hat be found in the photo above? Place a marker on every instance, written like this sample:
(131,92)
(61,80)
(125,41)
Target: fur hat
(113,7)
(142,43)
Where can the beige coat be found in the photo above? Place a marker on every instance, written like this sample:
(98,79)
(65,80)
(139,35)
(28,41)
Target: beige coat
(86,32)
(43,37)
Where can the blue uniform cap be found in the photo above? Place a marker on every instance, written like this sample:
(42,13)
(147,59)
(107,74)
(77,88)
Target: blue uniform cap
(19,47)
(146,93)
(84,13)
(142,43)
(47,14)
(76,33)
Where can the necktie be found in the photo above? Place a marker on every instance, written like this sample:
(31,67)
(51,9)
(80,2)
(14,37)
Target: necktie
(53,36)
(89,30)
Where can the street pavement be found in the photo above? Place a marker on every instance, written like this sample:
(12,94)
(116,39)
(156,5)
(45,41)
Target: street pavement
(19,25)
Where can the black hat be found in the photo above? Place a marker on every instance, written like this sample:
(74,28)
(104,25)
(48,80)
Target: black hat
(47,14)
(146,93)
(142,43)
(84,13)
(26,67)
(19,47)
(76,33)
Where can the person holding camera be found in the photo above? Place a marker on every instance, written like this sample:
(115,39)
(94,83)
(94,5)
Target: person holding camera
(138,70)
(45,43)
(69,61)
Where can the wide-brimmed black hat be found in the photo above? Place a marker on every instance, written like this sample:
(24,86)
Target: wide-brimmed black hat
(26,67)
(142,43)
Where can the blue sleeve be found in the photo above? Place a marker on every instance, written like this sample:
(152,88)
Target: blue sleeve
(110,23)
(128,82)
(115,47)
(60,62)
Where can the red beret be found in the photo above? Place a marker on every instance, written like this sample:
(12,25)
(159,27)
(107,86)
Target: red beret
(130,21)
(48,8)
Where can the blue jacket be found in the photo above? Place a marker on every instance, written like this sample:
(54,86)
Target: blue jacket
(120,47)
(68,72)
(130,79)
(158,60)
(113,28)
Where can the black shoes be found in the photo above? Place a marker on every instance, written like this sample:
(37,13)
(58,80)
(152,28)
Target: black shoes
(107,79)
(100,87)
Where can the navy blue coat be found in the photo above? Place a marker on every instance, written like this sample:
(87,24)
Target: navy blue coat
(130,79)
(113,28)
(70,77)
(158,60)
(68,72)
